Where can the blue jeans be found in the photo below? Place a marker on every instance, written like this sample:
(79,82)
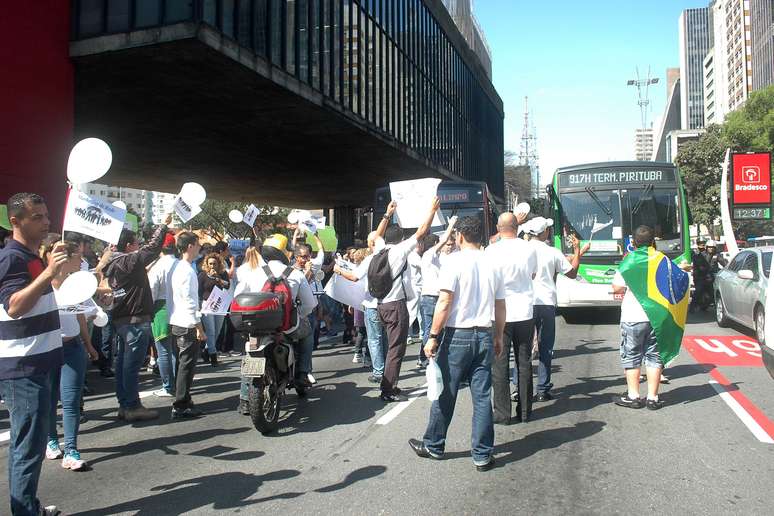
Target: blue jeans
(212,325)
(133,341)
(464,355)
(545,324)
(167,362)
(376,341)
(303,350)
(68,382)
(426,311)
(107,343)
(28,402)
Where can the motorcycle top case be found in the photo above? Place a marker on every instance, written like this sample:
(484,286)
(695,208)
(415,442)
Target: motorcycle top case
(256,312)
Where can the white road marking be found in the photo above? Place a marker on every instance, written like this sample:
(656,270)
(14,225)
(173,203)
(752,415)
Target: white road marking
(5,436)
(400,407)
(742,414)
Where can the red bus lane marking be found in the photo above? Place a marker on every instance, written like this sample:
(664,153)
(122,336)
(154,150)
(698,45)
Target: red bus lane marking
(735,351)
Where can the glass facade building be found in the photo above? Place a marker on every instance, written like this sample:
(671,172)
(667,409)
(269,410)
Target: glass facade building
(695,40)
(762,24)
(388,64)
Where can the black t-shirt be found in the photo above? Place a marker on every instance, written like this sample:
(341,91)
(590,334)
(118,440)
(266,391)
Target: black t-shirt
(207,283)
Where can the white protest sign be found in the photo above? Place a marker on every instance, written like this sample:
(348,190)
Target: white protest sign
(309,225)
(94,217)
(599,226)
(350,293)
(184,210)
(250,215)
(414,199)
(218,302)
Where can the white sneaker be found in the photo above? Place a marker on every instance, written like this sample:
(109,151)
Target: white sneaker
(53,451)
(50,510)
(72,461)
(162,393)
(358,358)
(311,378)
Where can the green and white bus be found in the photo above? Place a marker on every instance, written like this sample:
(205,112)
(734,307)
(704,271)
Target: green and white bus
(603,203)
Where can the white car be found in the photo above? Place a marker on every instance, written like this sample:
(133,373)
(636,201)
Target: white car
(740,290)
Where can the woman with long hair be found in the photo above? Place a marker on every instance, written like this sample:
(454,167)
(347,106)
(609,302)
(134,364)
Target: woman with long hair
(213,275)
(67,381)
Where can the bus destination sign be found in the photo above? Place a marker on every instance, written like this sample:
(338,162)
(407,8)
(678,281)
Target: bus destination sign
(600,177)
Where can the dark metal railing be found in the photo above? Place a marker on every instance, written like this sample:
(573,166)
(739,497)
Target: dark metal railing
(387,61)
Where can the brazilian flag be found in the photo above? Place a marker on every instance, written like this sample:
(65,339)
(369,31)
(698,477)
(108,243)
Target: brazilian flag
(662,289)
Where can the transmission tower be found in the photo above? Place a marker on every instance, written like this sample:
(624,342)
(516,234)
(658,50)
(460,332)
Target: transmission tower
(528,155)
(643,86)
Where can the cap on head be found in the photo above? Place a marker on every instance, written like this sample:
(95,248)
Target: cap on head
(277,241)
(538,225)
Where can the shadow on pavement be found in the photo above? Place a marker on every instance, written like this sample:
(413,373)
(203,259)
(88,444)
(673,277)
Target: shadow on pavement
(164,444)
(583,349)
(363,473)
(222,491)
(528,445)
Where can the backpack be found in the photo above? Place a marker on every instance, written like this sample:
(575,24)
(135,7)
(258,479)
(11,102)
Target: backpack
(380,280)
(281,288)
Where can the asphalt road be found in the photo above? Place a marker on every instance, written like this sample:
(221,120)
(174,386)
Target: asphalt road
(342,451)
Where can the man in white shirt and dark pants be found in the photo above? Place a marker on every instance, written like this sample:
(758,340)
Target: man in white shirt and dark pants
(550,263)
(514,263)
(392,308)
(185,324)
(464,313)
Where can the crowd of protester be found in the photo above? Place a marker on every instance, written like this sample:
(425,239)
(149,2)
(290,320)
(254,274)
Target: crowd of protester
(470,309)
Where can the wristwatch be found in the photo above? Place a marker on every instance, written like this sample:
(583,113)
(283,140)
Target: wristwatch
(386,217)
(433,336)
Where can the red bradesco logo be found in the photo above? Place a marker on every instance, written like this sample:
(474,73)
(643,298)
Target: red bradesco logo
(752,178)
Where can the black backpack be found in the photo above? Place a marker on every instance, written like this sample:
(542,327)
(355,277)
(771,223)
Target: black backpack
(380,278)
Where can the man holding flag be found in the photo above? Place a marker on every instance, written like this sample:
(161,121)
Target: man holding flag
(653,314)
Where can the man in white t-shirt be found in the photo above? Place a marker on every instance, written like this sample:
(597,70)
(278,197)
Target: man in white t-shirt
(437,249)
(185,323)
(392,307)
(550,263)
(514,263)
(374,328)
(468,298)
(638,339)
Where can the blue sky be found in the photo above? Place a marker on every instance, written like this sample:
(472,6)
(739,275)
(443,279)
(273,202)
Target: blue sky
(572,59)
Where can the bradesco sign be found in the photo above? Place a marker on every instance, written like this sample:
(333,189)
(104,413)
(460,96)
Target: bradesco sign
(752,178)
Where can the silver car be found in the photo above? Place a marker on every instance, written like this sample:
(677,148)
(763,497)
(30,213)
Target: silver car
(740,290)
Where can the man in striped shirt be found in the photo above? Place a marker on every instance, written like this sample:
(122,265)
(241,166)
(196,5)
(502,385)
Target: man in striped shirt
(30,346)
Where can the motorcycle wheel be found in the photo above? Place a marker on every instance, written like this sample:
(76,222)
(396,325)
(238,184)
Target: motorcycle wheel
(264,400)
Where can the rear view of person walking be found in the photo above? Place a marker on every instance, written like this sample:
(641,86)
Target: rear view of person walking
(464,314)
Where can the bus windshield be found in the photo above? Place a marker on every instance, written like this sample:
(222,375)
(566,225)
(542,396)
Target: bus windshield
(607,217)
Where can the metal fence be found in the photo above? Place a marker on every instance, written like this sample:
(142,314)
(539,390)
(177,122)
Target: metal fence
(387,61)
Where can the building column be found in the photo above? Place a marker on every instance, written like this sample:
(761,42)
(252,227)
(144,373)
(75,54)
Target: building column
(344,224)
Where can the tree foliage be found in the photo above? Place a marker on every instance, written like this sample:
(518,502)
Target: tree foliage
(214,219)
(748,129)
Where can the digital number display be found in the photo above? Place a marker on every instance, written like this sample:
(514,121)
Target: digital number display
(752,213)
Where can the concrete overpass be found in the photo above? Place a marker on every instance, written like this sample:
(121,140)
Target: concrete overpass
(302,103)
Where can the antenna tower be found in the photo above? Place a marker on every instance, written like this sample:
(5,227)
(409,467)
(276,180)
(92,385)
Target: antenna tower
(643,86)
(528,155)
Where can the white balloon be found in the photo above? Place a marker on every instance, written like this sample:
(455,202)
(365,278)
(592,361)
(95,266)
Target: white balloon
(89,160)
(193,194)
(77,288)
(522,208)
(101,319)
(235,216)
(293,217)
(120,204)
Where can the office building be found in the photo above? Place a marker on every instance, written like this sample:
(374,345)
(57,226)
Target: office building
(694,42)
(762,32)
(462,13)
(728,66)
(670,121)
(643,144)
(148,205)
(672,76)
